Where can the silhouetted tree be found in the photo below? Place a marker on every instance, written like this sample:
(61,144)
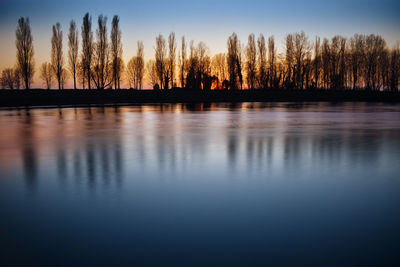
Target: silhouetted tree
(81,73)
(394,73)
(262,62)
(317,61)
(374,45)
(251,61)
(202,52)
(17,78)
(135,68)
(151,70)
(183,61)
(233,61)
(289,60)
(116,51)
(271,61)
(131,72)
(206,76)
(64,77)
(306,70)
(192,79)
(7,78)
(239,64)
(360,62)
(172,55)
(46,74)
(140,64)
(219,69)
(301,50)
(326,56)
(102,69)
(160,56)
(57,58)
(356,58)
(87,48)
(73,49)
(383,68)
(336,59)
(24,45)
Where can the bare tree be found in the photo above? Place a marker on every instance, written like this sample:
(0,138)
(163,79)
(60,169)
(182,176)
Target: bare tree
(102,69)
(172,55)
(306,70)
(374,45)
(356,58)
(64,77)
(57,58)
(342,62)
(207,79)
(7,78)
(17,78)
(394,72)
(362,61)
(239,64)
(151,70)
(140,64)
(135,68)
(131,72)
(46,74)
(262,62)
(160,55)
(116,51)
(233,55)
(271,61)
(192,79)
(301,49)
(87,48)
(81,73)
(251,62)
(24,45)
(219,69)
(317,61)
(202,52)
(183,61)
(73,49)
(167,73)
(383,69)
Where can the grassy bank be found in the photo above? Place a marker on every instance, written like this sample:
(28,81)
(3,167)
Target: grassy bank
(40,97)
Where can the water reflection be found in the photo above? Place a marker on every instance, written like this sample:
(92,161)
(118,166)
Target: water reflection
(78,142)
(202,180)
(29,156)
(253,139)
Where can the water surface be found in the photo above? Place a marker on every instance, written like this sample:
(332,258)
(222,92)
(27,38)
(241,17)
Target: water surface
(217,184)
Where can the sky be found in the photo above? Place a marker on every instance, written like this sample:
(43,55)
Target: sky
(210,21)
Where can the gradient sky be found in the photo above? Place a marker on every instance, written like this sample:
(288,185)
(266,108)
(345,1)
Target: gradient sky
(208,21)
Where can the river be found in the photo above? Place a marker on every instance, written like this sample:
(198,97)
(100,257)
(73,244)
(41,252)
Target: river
(203,184)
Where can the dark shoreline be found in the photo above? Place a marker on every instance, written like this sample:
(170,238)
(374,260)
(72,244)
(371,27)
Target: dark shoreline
(40,97)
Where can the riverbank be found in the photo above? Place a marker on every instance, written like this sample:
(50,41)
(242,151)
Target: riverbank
(40,97)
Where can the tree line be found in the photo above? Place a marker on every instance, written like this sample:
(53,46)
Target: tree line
(359,62)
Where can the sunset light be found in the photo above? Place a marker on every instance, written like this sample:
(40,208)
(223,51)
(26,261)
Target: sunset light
(199,133)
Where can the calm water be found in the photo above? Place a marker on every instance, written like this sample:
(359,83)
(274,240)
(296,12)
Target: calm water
(215,184)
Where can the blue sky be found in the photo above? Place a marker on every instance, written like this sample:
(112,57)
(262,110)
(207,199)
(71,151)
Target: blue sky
(208,21)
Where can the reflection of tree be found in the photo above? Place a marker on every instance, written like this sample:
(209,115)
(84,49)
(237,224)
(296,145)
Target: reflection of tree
(77,163)
(61,161)
(29,155)
(105,162)
(103,153)
(90,164)
(232,150)
(61,151)
(118,160)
